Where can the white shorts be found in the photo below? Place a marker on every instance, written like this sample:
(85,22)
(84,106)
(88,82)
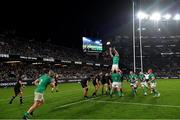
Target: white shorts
(144,84)
(153,85)
(115,67)
(133,84)
(117,84)
(38,96)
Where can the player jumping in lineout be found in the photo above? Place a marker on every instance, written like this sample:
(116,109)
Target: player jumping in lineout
(115,58)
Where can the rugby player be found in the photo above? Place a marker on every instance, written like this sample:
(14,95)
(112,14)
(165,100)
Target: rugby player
(96,83)
(152,81)
(18,91)
(41,83)
(103,82)
(116,83)
(133,82)
(108,83)
(144,84)
(115,59)
(56,83)
(84,84)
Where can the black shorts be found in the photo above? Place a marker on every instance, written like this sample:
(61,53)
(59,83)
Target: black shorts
(107,82)
(56,84)
(83,85)
(103,81)
(94,83)
(17,91)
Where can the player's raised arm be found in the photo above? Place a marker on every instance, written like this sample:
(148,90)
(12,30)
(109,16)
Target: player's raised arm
(116,52)
(110,52)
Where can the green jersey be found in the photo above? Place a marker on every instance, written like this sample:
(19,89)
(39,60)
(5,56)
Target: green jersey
(116,60)
(116,77)
(44,81)
(142,77)
(151,76)
(132,78)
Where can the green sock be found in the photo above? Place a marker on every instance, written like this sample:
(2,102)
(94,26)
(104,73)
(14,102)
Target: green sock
(26,114)
(155,92)
(134,91)
(144,90)
(111,92)
(119,93)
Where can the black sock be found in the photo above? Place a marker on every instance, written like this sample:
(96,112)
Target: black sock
(13,97)
(31,113)
(21,100)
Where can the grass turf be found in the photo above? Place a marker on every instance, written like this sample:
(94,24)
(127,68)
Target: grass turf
(68,103)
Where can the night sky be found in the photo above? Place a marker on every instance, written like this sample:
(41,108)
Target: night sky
(65,21)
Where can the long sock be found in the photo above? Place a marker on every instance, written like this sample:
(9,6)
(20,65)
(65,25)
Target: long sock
(133,91)
(26,114)
(13,97)
(119,93)
(109,89)
(111,92)
(31,113)
(102,91)
(21,100)
(155,91)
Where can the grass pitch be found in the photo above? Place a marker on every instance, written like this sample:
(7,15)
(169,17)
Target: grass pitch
(68,103)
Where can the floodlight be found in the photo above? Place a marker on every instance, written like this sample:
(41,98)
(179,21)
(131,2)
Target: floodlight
(155,16)
(167,16)
(177,17)
(142,15)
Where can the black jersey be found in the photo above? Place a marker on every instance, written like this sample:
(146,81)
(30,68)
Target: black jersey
(56,81)
(84,82)
(18,84)
(96,78)
(17,87)
(108,79)
(103,79)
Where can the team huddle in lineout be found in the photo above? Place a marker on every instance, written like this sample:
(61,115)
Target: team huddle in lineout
(114,81)
(111,82)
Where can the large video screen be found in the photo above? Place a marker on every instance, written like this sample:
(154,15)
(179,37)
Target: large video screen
(92,44)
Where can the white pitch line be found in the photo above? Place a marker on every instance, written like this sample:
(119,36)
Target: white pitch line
(143,104)
(74,103)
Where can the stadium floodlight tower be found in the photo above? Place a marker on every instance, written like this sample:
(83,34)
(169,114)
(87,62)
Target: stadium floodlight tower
(141,16)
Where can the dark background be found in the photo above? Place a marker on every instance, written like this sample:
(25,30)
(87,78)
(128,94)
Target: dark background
(65,21)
